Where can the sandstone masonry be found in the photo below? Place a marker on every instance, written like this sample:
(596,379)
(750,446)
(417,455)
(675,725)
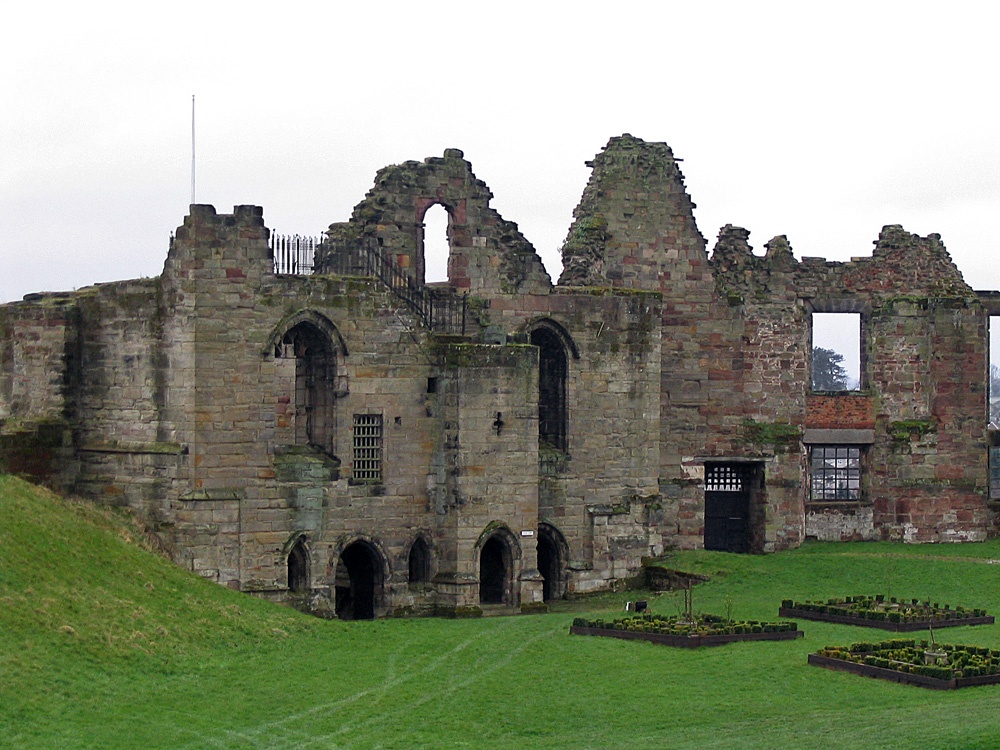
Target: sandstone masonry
(360,443)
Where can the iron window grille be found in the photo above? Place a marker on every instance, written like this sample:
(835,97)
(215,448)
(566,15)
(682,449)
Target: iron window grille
(835,473)
(368,448)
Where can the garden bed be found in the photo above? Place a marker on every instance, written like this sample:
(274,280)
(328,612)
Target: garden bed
(937,666)
(705,630)
(901,616)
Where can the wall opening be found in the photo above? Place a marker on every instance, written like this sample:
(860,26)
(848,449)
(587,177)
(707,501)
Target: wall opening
(835,473)
(551,563)
(367,445)
(495,572)
(734,507)
(435,245)
(552,373)
(357,582)
(419,562)
(298,567)
(836,351)
(994,374)
(315,385)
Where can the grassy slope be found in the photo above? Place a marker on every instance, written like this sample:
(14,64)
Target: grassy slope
(103,644)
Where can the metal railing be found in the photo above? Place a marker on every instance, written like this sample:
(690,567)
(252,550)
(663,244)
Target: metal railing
(441,310)
(293,254)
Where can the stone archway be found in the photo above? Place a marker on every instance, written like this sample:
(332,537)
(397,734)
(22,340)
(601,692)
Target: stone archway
(552,559)
(496,571)
(298,567)
(357,582)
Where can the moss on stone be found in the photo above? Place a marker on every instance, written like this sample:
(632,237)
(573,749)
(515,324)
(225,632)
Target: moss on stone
(771,433)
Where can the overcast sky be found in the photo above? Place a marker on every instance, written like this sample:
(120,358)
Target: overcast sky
(823,122)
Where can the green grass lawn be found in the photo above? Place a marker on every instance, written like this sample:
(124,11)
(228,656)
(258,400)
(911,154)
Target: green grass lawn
(103,644)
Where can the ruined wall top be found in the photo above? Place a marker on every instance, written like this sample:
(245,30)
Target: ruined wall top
(635,219)
(902,264)
(487,252)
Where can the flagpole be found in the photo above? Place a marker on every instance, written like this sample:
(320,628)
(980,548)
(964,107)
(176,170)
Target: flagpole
(192,151)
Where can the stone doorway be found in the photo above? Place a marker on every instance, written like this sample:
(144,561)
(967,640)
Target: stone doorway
(552,556)
(357,582)
(731,496)
(495,572)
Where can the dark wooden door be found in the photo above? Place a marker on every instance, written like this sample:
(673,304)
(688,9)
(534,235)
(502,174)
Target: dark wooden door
(727,507)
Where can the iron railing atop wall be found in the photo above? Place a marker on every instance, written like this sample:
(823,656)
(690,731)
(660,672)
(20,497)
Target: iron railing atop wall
(293,254)
(441,310)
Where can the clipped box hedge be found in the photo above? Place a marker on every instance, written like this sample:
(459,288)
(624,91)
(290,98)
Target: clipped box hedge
(900,615)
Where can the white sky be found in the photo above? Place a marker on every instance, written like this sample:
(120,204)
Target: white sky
(820,121)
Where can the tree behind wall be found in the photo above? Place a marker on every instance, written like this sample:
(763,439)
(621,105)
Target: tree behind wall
(828,373)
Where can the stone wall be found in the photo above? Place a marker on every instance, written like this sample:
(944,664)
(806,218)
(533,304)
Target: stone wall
(274,429)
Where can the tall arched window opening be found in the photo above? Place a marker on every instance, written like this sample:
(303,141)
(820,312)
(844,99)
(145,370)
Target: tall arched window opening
(315,384)
(552,373)
(435,244)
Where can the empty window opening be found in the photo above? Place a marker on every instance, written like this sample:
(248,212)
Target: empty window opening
(494,572)
(298,567)
(551,563)
(356,582)
(994,384)
(368,447)
(315,384)
(836,351)
(436,246)
(835,473)
(552,372)
(432,385)
(419,562)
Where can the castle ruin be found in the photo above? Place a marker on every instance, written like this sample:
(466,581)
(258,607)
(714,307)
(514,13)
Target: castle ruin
(326,428)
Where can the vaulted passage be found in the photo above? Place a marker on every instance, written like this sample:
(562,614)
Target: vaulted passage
(494,572)
(357,581)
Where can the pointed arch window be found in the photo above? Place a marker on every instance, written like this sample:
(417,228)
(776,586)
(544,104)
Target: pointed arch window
(553,369)
(298,567)
(419,561)
(315,385)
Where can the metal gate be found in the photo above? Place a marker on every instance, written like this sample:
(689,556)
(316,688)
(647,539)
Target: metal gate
(727,506)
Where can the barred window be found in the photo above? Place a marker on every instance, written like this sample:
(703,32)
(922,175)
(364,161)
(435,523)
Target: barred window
(368,447)
(836,472)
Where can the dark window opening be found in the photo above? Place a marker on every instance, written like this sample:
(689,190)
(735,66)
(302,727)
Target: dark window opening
(494,572)
(552,373)
(835,473)
(836,352)
(994,385)
(315,385)
(419,562)
(298,567)
(356,582)
(432,385)
(435,244)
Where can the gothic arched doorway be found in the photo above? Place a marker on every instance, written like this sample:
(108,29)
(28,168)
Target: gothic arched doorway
(496,571)
(358,582)
(552,557)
